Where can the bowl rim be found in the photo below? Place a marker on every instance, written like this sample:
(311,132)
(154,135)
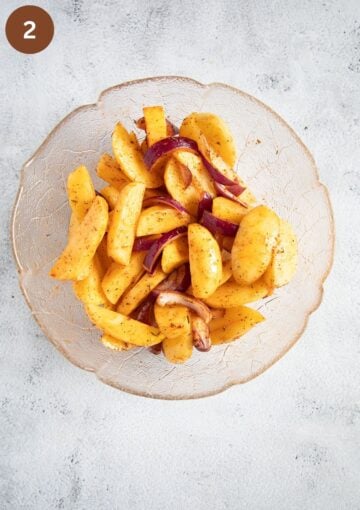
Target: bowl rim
(317,184)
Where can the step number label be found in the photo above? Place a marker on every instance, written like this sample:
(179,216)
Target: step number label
(29,29)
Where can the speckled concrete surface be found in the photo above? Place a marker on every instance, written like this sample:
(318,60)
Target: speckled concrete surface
(289,439)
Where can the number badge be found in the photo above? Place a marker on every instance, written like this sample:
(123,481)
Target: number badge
(29,29)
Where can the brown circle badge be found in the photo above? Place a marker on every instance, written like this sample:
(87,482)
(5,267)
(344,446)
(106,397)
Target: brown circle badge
(29,29)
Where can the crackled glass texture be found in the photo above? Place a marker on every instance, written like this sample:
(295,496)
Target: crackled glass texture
(272,161)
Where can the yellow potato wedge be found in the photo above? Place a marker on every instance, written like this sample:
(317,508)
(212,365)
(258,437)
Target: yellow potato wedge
(133,297)
(74,262)
(231,294)
(119,277)
(228,210)
(173,321)
(108,170)
(80,191)
(103,254)
(178,350)
(187,196)
(73,225)
(89,290)
(133,140)
(159,219)
(226,271)
(111,195)
(253,246)
(155,124)
(115,344)
(144,146)
(175,254)
(130,159)
(216,132)
(227,243)
(234,323)
(284,260)
(125,216)
(205,261)
(200,175)
(124,328)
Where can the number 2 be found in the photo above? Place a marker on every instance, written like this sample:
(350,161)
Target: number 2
(28,34)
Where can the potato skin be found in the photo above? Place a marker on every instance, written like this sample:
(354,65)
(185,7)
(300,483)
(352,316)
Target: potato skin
(205,261)
(254,242)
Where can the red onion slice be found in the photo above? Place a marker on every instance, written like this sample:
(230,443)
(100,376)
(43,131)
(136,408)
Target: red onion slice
(225,191)
(178,298)
(157,247)
(144,243)
(205,204)
(201,334)
(145,311)
(171,202)
(167,145)
(218,226)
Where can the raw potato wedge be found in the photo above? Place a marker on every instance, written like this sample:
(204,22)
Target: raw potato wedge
(108,169)
(253,245)
(205,261)
(231,294)
(216,132)
(80,191)
(226,271)
(155,124)
(73,225)
(89,290)
(234,323)
(119,277)
(116,345)
(175,254)
(124,328)
(74,262)
(188,196)
(103,254)
(173,321)
(111,195)
(284,260)
(228,210)
(159,219)
(130,159)
(178,350)
(140,290)
(121,232)
(200,174)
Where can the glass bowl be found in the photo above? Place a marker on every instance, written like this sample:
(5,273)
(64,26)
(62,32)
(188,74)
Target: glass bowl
(273,162)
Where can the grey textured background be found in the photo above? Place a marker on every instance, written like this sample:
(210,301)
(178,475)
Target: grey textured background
(289,439)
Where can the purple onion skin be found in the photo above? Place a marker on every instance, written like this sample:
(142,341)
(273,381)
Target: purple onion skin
(158,245)
(205,204)
(166,145)
(218,226)
(167,201)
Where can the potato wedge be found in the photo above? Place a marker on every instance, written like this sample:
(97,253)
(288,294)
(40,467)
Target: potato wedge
(108,170)
(173,321)
(73,225)
(227,243)
(226,273)
(123,328)
(118,277)
(89,290)
(253,245)
(216,132)
(111,195)
(284,260)
(231,294)
(205,261)
(155,124)
(234,323)
(80,191)
(178,350)
(188,196)
(122,228)
(103,254)
(133,297)
(175,254)
(74,262)
(115,344)
(130,159)
(159,219)
(200,175)
(228,210)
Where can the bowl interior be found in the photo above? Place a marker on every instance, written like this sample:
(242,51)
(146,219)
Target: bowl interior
(272,161)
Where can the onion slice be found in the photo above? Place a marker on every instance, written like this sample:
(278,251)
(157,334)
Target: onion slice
(226,192)
(201,334)
(144,243)
(145,311)
(158,245)
(218,226)
(178,298)
(171,202)
(167,145)
(205,204)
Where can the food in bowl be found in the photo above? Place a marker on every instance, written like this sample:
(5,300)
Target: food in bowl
(169,252)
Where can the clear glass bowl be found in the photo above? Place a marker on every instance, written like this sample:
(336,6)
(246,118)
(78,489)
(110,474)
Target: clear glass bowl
(273,162)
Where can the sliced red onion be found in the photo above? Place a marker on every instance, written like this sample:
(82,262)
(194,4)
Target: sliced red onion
(218,226)
(171,202)
(178,298)
(167,145)
(225,191)
(171,128)
(205,204)
(145,311)
(201,334)
(157,247)
(183,279)
(140,123)
(144,243)
(156,349)
(216,175)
